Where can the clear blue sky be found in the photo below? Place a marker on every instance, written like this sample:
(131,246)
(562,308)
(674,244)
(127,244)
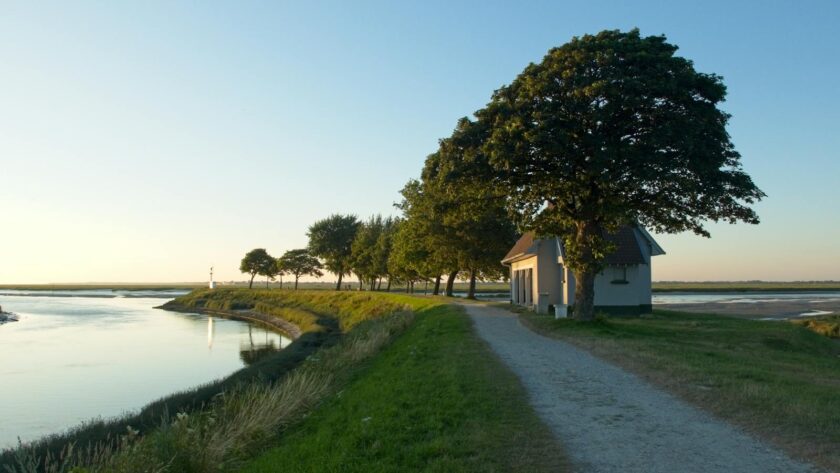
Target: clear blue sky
(147,141)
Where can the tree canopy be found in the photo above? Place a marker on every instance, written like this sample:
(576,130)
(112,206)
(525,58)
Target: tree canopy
(299,263)
(609,130)
(258,261)
(331,239)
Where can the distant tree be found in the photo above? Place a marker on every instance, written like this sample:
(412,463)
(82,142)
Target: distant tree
(331,239)
(299,263)
(384,245)
(408,257)
(257,261)
(610,130)
(269,270)
(365,251)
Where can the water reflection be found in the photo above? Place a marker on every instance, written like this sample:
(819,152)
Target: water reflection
(252,351)
(71,359)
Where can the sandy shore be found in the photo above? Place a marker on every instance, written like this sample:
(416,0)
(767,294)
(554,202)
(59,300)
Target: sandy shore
(771,309)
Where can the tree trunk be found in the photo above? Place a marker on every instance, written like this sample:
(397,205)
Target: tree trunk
(338,284)
(471,292)
(379,286)
(281,282)
(436,289)
(585,270)
(296,281)
(584,295)
(425,287)
(251,282)
(372,284)
(266,282)
(360,283)
(450,283)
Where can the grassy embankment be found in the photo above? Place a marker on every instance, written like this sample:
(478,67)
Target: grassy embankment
(773,378)
(437,400)
(329,315)
(449,401)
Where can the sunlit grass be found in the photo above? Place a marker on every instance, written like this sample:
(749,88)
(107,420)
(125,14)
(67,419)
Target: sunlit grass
(827,325)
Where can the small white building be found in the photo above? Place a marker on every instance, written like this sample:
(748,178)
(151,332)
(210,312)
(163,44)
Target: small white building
(539,278)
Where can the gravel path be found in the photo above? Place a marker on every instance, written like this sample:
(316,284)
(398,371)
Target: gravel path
(610,420)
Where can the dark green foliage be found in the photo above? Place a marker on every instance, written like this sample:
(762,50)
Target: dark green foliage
(453,222)
(371,249)
(258,261)
(474,214)
(609,130)
(299,263)
(331,239)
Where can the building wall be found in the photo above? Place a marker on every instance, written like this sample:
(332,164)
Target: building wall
(608,293)
(551,277)
(522,265)
(553,283)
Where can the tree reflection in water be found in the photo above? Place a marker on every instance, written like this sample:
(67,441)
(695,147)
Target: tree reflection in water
(253,351)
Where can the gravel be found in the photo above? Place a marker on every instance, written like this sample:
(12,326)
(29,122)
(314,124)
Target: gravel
(609,420)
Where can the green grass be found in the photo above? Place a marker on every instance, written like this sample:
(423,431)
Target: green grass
(327,309)
(737,286)
(777,379)
(436,400)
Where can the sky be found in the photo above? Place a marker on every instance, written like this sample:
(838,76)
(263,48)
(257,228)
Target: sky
(147,141)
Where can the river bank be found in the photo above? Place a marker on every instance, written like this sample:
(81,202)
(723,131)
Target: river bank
(319,331)
(82,363)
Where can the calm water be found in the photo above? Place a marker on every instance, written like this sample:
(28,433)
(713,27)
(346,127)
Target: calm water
(75,355)
(745,297)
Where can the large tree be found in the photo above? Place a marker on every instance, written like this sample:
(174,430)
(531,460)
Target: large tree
(610,130)
(474,215)
(331,239)
(257,261)
(299,263)
(434,246)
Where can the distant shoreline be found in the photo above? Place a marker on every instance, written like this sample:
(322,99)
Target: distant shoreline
(488,287)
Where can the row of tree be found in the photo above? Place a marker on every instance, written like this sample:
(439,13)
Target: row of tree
(435,238)
(295,263)
(608,130)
